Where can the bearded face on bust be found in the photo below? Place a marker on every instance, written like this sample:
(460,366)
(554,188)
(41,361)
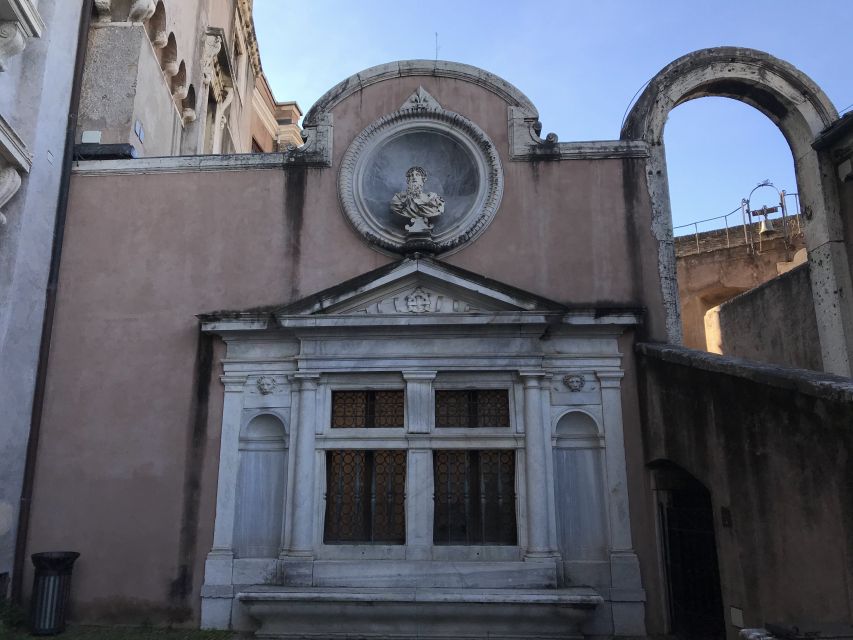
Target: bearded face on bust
(414,202)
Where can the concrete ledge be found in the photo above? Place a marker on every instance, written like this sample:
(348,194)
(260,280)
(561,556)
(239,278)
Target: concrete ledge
(506,614)
(191,164)
(812,383)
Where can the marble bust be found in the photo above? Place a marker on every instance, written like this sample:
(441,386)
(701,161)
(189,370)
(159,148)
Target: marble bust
(415,203)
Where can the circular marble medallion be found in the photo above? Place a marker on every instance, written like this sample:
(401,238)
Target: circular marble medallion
(461,190)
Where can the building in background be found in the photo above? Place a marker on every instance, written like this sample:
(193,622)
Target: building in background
(153,79)
(178,78)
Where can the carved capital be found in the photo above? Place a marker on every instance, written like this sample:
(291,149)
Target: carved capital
(189,115)
(12,42)
(104,10)
(10,182)
(141,10)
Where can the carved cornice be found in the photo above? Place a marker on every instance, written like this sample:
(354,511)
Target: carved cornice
(525,142)
(10,182)
(247,22)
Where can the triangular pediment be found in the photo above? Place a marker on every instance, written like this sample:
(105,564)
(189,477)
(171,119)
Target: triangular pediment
(419,287)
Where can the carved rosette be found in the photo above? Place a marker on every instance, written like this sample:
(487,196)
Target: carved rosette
(10,182)
(421,114)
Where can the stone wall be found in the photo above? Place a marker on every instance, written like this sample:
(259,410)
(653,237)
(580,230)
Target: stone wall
(151,243)
(35,91)
(773,323)
(772,446)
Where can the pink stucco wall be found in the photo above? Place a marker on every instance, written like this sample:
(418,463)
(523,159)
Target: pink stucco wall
(144,254)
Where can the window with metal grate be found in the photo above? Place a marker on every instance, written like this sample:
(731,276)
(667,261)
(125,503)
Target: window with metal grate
(365,497)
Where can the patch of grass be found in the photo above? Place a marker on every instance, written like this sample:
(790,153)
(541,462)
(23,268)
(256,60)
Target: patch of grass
(120,633)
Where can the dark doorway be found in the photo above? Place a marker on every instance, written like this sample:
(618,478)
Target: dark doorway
(690,556)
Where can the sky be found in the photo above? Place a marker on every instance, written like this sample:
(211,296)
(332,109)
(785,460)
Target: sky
(581,63)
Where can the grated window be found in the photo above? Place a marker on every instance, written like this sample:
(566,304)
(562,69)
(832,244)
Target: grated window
(365,497)
(474,497)
(367,409)
(471,408)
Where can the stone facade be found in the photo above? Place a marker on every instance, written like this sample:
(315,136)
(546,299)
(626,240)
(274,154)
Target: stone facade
(178,78)
(254,357)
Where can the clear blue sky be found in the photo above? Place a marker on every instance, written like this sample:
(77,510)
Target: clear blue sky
(581,63)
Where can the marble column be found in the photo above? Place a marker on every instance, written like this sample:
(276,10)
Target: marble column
(627,609)
(614,455)
(229,463)
(420,487)
(217,591)
(536,468)
(302,527)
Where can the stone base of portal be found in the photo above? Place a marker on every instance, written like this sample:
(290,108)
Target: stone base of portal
(426,614)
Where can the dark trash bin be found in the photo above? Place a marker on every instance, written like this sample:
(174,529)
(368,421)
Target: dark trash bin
(51,586)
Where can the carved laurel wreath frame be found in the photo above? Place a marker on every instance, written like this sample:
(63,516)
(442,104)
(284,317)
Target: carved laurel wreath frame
(421,113)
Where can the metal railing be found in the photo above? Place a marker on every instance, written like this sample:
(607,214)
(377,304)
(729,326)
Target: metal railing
(746,225)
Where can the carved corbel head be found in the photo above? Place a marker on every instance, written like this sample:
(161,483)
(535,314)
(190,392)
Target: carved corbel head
(104,10)
(12,42)
(170,68)
(212,45)
(189,115)
(161,39)
(141,10)
(180,92)
(10,182)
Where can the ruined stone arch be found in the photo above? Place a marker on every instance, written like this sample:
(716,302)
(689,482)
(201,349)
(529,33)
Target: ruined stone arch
(801,110)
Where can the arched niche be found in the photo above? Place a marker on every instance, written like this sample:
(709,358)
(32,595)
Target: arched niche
(581,501)
(169,57)
(188,106)
(261,485)
(180,87)
(156,27)
(801,110)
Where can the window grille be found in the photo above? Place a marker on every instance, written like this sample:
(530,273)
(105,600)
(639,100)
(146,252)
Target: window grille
(474,497)
(471,408)
(365,497)
(367,409)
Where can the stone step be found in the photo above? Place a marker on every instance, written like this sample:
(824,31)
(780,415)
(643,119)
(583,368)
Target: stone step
(432,574)
(423,613)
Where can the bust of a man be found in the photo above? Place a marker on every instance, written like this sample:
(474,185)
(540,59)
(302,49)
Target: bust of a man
(415,203)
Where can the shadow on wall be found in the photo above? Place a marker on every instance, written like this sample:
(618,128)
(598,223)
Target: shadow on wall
(773,323)
(772,446)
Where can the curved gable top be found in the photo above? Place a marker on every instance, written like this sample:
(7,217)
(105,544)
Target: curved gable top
(404,68)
